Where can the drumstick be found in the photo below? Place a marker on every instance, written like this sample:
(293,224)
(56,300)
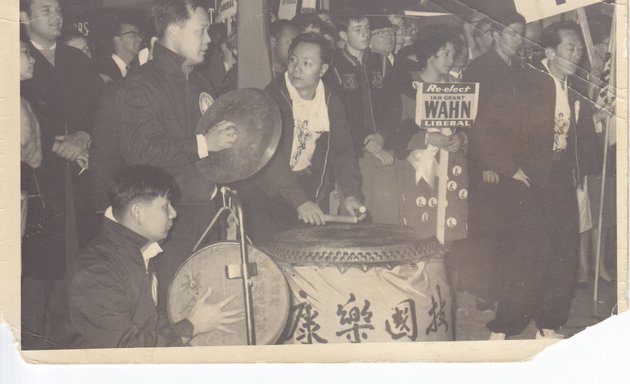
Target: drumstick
(341,219)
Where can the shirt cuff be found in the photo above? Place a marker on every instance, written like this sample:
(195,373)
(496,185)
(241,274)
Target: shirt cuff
(184,329)
(202,147)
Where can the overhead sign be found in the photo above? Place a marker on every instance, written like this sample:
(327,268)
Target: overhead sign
(309,6)
(227,10)
(534,10)
(288,9)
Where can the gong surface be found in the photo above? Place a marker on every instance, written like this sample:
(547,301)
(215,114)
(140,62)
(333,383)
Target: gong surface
(207,268)
(364,244)
(258,125)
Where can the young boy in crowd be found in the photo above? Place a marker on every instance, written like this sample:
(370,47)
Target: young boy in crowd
(360,76)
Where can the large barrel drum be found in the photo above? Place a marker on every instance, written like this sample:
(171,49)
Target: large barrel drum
(363,283)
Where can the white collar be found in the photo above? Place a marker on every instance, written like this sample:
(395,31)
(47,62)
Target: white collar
(295,95)
(148,251)
(545,62)
(39,47)
(120,63)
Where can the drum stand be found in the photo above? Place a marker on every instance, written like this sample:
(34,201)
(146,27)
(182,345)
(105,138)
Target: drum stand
(243,271)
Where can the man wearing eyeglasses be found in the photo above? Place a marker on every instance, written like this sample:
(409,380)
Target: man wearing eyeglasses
(125,45)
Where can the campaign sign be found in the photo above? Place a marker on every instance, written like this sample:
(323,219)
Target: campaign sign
(533,10)
(446,105)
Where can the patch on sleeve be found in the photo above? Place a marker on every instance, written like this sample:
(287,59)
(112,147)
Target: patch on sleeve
(205,101)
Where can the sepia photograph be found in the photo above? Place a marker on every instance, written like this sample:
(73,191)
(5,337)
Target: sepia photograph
(270,180)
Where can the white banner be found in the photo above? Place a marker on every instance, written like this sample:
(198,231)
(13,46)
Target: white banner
(410,302)
(534,10)
(309,6)
(287,10)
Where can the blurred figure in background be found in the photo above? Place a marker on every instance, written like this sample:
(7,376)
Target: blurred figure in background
(73,38)
(383,38)
(282,34)
(122,49)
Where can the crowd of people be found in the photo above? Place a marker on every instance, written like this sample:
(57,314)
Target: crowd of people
(115,201)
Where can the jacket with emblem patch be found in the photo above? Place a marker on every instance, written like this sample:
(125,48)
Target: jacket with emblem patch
(159,111)
(367,112)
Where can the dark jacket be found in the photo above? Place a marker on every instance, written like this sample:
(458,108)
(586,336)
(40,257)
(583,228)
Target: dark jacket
(515,129)
(333,159)
(363,88)
(160,110)
(109,295)
(491,71)
(108,67)
(64,98)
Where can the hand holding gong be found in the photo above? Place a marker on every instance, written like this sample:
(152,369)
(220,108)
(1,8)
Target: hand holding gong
(221,136)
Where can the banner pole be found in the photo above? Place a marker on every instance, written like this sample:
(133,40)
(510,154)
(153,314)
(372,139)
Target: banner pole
(586,32)
(606,127)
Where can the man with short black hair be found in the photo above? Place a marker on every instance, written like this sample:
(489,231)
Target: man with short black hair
(480,251)
(360,77)
(314,151)
(161,104)
(113,287)
(538,134)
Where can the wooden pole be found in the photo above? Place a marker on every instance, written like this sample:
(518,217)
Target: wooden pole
(586,32)
(254,53)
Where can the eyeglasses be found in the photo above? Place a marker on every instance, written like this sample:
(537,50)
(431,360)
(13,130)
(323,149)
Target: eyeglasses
(134,33)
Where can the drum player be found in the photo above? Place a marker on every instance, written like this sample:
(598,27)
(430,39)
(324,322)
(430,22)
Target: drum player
(315,145)
(113,287)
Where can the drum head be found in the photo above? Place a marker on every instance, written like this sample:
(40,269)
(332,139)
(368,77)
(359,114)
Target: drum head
(207,268)
(364,244)
(258,124)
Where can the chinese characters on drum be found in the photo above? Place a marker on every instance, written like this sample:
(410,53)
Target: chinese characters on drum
(207,173)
